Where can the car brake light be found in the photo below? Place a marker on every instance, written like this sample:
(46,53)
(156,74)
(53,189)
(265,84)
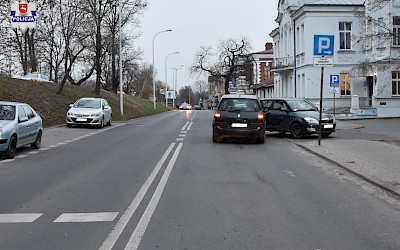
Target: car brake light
(260,116)
(217,114)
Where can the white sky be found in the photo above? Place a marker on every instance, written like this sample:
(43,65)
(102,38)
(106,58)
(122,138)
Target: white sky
(198,23)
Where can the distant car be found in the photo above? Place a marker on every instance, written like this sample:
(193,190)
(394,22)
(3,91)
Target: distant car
(296,116)
(197,107)
(35,77)
(20,125)
(89,111)
(239,116)
(185,106)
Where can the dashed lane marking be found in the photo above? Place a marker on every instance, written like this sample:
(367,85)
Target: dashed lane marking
(19,218)
(86,217)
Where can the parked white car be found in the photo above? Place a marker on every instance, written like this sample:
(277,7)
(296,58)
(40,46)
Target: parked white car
(35,77)
(20,125)
(89,111)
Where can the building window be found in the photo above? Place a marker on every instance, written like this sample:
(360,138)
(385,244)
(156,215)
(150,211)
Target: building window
(345,84)
(267,72)
(396,83)
(396,31)
(345,35)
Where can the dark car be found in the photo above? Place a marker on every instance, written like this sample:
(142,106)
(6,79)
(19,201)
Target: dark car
(296,116)
(239,116)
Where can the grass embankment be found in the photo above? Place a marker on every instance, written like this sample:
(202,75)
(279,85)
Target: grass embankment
(52,107)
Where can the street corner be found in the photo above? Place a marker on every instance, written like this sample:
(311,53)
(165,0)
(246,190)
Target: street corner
(343,125)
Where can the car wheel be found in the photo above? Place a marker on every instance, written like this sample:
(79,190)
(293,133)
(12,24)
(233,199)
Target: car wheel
(38,141)
(297,131)
(12,148)
(325,135)
(101,125)
(110,121)
(69,125)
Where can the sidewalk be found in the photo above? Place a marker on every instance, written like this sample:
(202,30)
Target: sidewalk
(376,162)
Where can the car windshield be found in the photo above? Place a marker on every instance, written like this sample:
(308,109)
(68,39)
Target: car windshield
(7,112)
(91,104)
(301,105)
(238,104)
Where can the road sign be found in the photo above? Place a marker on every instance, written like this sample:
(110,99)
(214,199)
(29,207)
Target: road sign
(334,81)
(324,45)
(323,61)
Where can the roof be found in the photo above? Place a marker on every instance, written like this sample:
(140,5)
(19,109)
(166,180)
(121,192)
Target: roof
(331,2)
(10,103)
(245,96)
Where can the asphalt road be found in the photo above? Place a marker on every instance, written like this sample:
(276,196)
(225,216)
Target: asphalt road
(160,183)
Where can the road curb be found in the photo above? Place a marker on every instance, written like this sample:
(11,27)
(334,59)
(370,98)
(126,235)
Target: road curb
(347,169)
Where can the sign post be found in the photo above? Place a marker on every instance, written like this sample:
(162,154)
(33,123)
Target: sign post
(334,83)
(323,56)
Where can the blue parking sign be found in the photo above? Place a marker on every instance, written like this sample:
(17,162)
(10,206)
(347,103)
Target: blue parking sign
(324,45)
(334,81)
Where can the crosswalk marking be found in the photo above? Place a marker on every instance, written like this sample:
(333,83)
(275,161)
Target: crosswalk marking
(19,218)
(86,217)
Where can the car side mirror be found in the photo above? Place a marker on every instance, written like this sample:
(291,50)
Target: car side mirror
(71,105)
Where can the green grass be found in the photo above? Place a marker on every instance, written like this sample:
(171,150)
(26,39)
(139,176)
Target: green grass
(52,107)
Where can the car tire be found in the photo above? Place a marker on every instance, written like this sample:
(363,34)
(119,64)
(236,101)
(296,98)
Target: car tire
(325,135)
(38,141)
(216,138)
(297,130)
(12,148)
(69,125)
(110,121)
(101,125)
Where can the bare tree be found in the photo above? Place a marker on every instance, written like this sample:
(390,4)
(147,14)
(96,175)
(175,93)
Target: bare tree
(223,63)
(201,88)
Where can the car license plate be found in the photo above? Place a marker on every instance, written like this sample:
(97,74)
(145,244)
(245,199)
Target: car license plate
(81,119)
(328,126)
(239,125)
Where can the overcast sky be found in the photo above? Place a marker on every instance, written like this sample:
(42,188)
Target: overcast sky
(198,23)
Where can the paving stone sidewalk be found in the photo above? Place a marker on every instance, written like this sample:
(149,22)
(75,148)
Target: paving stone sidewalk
(377,162)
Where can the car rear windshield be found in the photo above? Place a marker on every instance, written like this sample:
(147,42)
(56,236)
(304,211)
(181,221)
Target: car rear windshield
(239,104)
(7,112)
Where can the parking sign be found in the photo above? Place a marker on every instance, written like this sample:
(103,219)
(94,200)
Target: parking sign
(324,45)
(334,81)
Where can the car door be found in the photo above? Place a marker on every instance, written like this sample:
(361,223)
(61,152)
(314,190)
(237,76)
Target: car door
(106,110)
(32,124)
(275,114)
(24,127)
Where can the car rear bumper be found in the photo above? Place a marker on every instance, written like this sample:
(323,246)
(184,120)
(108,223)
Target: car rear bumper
(253,130)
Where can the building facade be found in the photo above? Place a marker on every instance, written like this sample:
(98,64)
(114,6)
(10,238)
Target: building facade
(365,55)
(262,70)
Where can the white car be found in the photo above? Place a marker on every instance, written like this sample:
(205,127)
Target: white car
(35,77)
(89,111)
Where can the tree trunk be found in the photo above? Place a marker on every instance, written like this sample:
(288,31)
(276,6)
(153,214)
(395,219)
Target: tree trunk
(98,58)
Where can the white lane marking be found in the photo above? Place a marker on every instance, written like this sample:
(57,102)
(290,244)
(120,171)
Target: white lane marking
(8,160)
(140,229)
(20,156)
(182,135)
(60,143)
(188,128)
(19,218)
(184,127)
(179,139)
(52,146)
(86,217)
(33,152)
(43,149)
(289,172)
(183,132)
(123,221)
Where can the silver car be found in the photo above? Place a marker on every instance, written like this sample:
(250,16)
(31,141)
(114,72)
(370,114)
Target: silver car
(89,111)
(20,125)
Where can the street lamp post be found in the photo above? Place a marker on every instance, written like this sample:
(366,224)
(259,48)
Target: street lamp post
(166,78)
(175,82)
(154,72)
(121,103)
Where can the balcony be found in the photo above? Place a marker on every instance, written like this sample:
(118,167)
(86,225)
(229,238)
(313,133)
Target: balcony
(283,64)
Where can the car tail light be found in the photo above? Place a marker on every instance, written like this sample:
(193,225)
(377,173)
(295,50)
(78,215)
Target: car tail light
(217,114)
(260,116)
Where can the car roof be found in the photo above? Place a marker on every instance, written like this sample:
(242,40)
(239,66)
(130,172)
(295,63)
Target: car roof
(10,103)
(240,96)
(90,98)
(283,98)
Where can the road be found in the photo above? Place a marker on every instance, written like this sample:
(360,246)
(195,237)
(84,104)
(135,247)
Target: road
(160,183)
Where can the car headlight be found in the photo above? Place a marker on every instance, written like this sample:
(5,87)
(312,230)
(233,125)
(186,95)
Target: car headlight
(311,120)
(96,114)
(70,113)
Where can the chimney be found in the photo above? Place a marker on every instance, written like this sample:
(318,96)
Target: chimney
(268,46)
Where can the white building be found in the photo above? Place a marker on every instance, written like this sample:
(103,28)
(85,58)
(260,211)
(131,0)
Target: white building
(365,56)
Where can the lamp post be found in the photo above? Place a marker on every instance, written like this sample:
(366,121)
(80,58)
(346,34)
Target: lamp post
(166,78)
(154,72)
(175,82)
(121,103)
